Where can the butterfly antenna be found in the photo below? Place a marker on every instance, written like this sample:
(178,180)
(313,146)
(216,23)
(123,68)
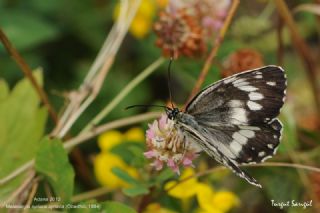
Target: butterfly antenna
(169,81)
(145,106)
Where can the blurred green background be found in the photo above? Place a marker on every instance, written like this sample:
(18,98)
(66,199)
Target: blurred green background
(63,38)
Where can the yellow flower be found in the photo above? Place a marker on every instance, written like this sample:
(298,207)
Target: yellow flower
(147,8)
(105,161)
(215,202)
(142,22)
(180,190)
(103,164)
(156,208)
(140,27)
(112,138)
(109,139)
(209,201)
(134,134)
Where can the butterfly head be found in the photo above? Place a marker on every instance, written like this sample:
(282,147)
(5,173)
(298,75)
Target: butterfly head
(172,113)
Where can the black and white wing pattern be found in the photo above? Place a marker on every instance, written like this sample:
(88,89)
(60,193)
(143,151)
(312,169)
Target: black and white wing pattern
(236,117)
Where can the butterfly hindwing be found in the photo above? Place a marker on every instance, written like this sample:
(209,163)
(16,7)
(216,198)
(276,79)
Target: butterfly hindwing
(221,154)
(245,144)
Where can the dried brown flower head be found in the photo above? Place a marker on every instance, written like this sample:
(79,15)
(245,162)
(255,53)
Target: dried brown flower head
(241,60)
(185,26)
(179,34)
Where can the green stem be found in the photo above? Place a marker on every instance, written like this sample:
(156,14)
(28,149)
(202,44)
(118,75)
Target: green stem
(144,74)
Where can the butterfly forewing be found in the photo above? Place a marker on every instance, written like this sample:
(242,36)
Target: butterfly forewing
(249,98)
(234,119)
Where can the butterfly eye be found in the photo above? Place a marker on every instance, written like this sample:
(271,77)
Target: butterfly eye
(171,115)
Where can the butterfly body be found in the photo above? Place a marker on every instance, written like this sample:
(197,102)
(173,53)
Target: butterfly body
(234,120)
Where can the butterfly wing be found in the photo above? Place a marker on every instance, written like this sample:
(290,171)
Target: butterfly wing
(248,98)
(218,151)
(237,117)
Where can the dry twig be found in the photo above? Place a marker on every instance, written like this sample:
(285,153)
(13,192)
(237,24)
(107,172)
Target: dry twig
(217,42)
(302,49)
(28,73)
(92,84)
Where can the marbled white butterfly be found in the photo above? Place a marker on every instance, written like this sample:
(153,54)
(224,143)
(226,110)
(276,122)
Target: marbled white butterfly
(234,120)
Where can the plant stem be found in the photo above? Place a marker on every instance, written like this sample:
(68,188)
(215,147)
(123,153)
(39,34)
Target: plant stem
(69,144)
(80,99)
(217,42)
(280,50)
(31,195)
(269,164)
(302,48)
(20,189)
(144,74)
(28,73)
(90,194)
(111,125)
(17,172)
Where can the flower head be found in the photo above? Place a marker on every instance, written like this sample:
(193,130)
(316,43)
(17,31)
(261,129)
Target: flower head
(179,34)
(212,14)
(185,26)
(167,145)
(219,202)
(241,60)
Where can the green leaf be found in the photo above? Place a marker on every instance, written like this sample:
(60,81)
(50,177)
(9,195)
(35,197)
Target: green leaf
(117,207)
(267,43)
(46,7)
(22,125)
(290,137)
(164,175)
(4,90)
(26,30)
(52,161)
(261,38)
(124,176)
(137,187)
(130,152)
(138,159)
(136,190)
(281,185)
(243,26)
